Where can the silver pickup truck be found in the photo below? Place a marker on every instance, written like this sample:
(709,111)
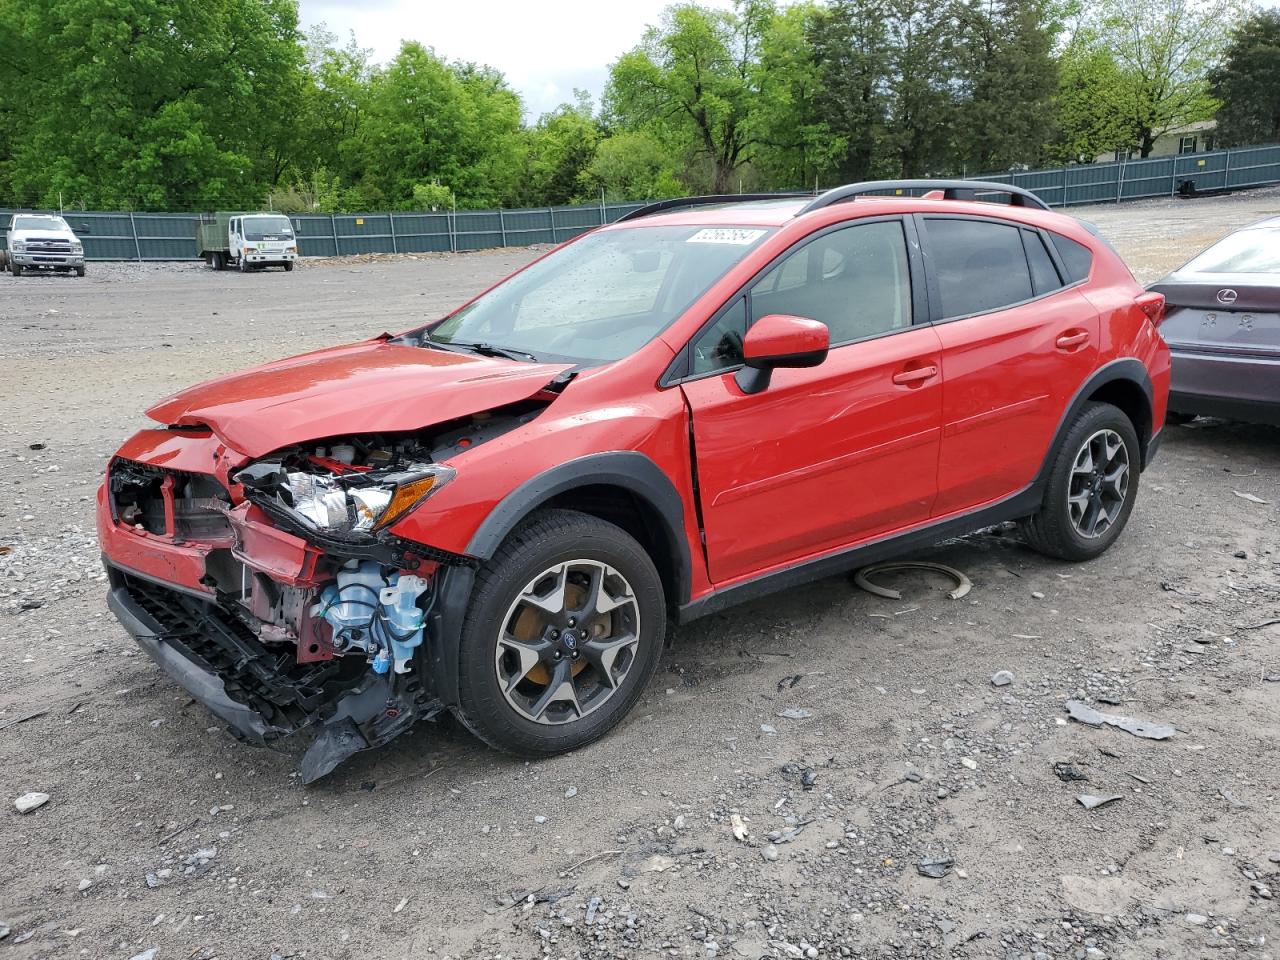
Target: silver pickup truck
(42,241)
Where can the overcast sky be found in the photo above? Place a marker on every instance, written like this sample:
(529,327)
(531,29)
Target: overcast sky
(545,47)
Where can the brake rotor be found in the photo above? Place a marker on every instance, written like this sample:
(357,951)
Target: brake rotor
(530,623)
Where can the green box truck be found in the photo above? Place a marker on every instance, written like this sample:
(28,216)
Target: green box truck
(249,241)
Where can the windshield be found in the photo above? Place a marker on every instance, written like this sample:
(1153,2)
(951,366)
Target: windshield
(39,223)
(267,228)
(1249,251)
(603,297)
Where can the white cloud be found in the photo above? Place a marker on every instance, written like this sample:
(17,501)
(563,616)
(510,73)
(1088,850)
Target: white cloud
(545,49)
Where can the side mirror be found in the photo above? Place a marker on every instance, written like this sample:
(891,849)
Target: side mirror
(778,340)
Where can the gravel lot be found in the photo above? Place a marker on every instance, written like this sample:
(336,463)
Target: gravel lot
(162,834)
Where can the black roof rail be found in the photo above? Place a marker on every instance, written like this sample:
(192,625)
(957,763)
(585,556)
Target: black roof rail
(951,189)
(659,206)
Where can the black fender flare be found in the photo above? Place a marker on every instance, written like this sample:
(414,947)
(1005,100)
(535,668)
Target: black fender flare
(1128,369)
(628,470)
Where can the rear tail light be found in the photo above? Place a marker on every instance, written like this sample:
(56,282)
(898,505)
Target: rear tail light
(1152,305)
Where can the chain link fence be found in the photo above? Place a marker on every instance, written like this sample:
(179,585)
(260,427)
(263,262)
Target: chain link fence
(171,236)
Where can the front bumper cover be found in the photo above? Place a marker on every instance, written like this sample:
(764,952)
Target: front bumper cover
(328,711)
(205,685)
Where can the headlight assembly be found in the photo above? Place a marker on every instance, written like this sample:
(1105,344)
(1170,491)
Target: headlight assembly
(357,503)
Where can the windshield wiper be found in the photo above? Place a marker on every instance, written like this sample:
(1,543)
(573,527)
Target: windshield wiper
(489,350)
(484,349)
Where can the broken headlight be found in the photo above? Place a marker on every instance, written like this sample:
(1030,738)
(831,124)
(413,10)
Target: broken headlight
(352,503)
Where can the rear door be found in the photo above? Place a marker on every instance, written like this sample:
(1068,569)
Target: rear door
(1018,340)
(827,456)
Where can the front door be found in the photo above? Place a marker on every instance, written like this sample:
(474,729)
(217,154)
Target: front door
(828,456)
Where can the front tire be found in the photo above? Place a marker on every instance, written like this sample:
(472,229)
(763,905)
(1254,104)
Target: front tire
(16,269)
(288,266)
(1093,484)
(79,271)
(243,264)
(564,630)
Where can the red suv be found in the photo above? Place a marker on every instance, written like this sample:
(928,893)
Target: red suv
(501,512)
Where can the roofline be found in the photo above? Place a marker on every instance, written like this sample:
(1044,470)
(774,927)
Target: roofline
(1018,196)
(663,206)
(950,190)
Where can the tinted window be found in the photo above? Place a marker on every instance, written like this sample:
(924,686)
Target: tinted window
(1044,275)
(720,345)
(980,266)
(1076,257)
(855,280)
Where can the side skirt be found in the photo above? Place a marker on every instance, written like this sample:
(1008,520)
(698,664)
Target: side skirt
(1019,505)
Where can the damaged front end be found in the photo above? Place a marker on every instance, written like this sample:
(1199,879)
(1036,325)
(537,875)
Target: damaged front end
(273,591)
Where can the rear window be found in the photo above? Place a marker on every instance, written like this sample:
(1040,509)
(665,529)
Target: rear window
(980,266)
(1249,251)
(1076,257)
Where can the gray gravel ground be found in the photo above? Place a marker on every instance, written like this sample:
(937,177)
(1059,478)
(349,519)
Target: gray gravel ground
(162,834)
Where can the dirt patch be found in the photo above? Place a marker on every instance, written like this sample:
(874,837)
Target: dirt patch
(162,832)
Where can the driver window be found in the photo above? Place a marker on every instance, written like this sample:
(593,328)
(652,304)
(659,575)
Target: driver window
(720,345)
(855,280)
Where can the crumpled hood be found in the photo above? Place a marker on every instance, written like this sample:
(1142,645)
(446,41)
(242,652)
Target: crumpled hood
(370,387)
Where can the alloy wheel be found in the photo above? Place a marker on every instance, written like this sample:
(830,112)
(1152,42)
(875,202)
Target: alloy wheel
(1099,484)
(567,642)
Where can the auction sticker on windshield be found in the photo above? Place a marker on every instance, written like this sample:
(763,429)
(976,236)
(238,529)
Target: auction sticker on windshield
(726,235)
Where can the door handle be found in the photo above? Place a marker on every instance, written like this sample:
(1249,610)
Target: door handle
(915,375)
(1072,339)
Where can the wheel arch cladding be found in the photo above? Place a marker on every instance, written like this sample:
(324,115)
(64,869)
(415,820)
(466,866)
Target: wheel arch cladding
(1122,383)
(625,488)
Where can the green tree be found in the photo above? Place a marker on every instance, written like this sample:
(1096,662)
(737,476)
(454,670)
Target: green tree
(631,165)
(794,140)
(1248,82)
(1006,78)
(557,150)
(712,85)
(919,88)
(1164,51)
(850,43)
(145,103)
(1092,113)
(430,120)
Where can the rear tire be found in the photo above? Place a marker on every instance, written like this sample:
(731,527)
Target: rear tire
(1093,484)
(533,680)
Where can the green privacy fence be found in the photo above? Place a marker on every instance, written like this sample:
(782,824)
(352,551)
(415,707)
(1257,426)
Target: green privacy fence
(171,236)
(1156,177)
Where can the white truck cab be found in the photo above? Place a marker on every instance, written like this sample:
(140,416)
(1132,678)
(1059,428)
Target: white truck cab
(43,241)
(261,240)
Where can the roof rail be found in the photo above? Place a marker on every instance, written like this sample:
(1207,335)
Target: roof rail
(660,205)
(951,189)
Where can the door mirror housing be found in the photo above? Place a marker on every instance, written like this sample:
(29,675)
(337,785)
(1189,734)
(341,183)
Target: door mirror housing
(778,340)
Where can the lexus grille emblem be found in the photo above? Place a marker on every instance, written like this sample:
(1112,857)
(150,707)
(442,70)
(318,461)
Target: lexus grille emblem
(1227,296)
